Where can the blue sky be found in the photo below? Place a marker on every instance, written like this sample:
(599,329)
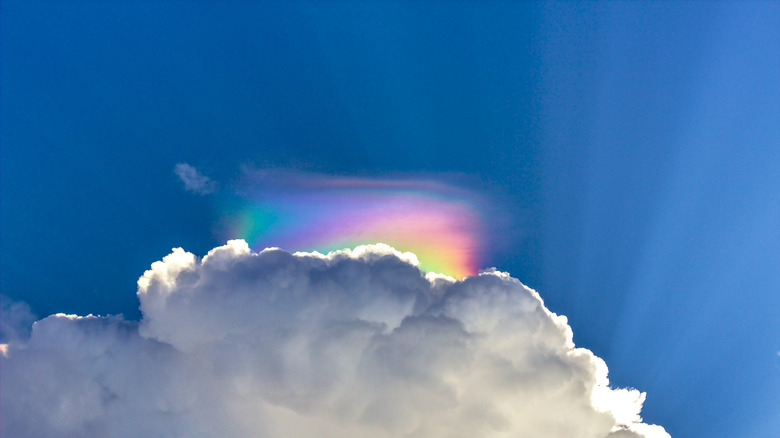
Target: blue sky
(635,147)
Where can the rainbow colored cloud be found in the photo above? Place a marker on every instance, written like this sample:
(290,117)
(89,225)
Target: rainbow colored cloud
(438,222)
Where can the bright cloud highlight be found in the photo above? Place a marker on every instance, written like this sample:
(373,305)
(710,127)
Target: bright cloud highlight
(353,344)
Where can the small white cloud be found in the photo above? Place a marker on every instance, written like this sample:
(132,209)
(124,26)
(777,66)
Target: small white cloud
(193,180)
(351,344)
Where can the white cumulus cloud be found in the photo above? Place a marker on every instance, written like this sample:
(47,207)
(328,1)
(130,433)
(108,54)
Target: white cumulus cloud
(353,344)
(193,180)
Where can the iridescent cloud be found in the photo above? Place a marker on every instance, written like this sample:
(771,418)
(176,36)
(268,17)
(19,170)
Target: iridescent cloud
(296,211)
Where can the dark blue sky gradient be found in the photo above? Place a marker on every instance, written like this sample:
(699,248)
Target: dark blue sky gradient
(635,147)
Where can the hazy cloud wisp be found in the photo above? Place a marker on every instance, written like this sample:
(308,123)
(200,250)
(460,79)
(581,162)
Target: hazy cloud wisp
(350,344)
(193,180)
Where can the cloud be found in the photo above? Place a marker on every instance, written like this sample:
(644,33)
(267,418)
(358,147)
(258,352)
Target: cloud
(451,225)
(193,180)
(351,344)
(15,320)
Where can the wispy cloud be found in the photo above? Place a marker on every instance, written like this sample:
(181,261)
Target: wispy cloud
(193,180)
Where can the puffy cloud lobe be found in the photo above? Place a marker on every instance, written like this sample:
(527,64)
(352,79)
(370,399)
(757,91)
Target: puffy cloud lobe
(355,343)
(193,180)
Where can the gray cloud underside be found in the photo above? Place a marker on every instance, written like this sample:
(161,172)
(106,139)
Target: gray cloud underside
(354,344)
